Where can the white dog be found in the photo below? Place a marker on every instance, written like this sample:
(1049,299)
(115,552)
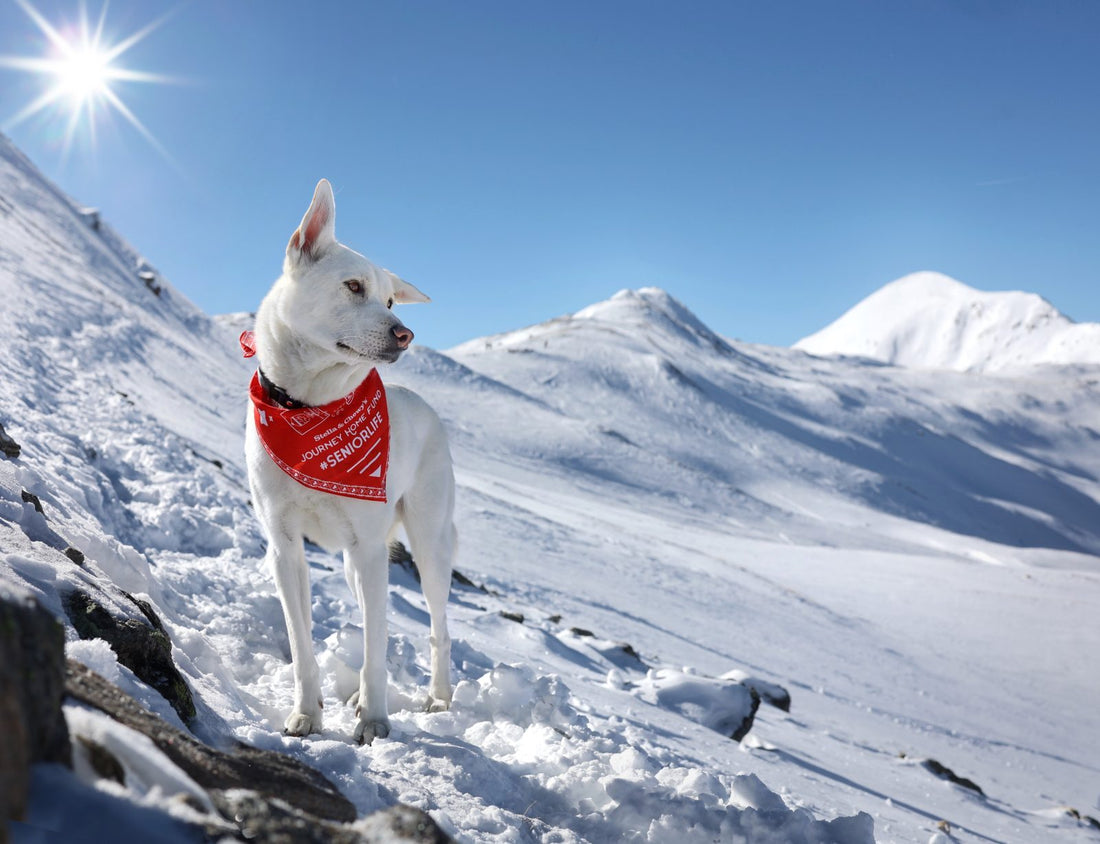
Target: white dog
(319,332)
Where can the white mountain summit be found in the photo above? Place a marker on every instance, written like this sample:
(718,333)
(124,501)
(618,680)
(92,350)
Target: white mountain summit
(930,321)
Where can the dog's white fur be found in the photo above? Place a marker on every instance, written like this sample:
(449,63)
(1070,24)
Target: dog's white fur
(317,338)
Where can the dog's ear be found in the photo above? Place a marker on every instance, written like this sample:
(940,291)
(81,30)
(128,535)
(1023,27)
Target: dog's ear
(317,231)
(404,293)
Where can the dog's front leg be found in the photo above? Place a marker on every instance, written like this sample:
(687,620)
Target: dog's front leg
(367,569)
(287,559)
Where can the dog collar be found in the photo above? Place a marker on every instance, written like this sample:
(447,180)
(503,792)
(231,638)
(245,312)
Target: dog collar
(275,393)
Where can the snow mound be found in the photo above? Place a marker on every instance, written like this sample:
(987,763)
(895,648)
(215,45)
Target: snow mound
(930,321)
(725,706)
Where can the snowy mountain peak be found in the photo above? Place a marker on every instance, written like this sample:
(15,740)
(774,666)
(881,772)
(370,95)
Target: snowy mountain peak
(916,288)
(645,306)
(646,317)
(928,283)
(928,320)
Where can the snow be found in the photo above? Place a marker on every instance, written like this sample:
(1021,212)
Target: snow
(912,554)
(930,321)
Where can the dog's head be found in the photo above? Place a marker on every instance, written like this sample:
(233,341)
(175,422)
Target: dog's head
(337,298)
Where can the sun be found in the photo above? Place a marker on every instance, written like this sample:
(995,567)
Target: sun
(84,74)
(80,67)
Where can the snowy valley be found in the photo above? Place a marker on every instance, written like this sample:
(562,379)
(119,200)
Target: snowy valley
(897,522)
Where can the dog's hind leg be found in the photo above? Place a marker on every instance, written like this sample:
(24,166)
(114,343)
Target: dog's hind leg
(367,570)
(435,580)
(427,514)
(287,560)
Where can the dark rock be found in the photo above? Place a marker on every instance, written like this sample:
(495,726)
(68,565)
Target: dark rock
(74,554)
(32,660)
(142,647)
(149,613)
(770,693)
(742,730)
(35,525)
(9,446)
(462,580)
(271,775)
(1077,816)
(273,821)
(774,695)
(31,498)
(400,556)
(512,616)
(103,762)
(150,279)
(620,654)
(945,773)
(628,649)
(402,823)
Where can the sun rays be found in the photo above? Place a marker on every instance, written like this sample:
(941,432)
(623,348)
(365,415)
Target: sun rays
(80,69)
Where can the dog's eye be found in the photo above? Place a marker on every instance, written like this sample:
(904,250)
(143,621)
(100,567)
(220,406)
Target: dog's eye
(354,285)
(389,304)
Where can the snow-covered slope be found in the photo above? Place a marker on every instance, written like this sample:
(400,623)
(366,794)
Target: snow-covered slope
(929,321)
(912,555)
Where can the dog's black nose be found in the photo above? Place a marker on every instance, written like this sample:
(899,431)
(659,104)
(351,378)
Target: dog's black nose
(402,335)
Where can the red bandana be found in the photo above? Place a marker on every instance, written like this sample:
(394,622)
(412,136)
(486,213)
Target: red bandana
(342,447)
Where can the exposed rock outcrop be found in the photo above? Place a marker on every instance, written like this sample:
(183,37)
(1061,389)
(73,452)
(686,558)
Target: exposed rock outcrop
(400,556)
(8,446)
(142,646)
(770,693)
(945,773)
(272,775)
(32,656)
(263,795)
(401,823)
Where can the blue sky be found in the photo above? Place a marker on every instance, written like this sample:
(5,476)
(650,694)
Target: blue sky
(768,163)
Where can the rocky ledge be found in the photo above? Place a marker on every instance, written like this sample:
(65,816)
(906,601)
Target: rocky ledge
(245,793)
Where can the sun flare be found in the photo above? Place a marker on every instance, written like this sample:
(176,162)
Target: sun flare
(80,68)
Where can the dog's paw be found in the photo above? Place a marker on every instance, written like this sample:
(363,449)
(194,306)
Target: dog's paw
(435,704)
(301,724)
(367,731)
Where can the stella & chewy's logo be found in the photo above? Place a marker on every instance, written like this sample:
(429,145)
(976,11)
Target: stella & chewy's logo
(305,419)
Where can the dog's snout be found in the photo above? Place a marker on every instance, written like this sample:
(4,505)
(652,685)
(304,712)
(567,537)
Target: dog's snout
(402,335)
